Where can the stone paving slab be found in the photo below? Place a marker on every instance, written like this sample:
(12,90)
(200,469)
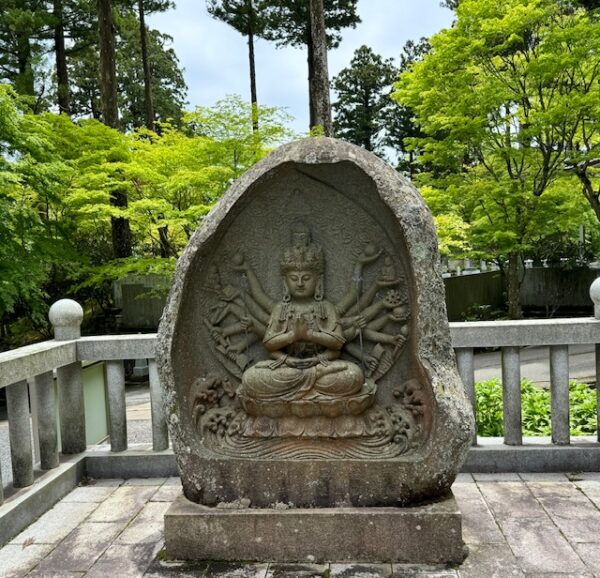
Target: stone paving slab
(479,525)
(540,547)
(490,561)
(166,493)
(591,489)
(17,559)
(501,477)
(590,554)
(56,523)
(145,482)
(511,500)
(124,561)
(543,526)
(82,547)
(124,503)
(147,527)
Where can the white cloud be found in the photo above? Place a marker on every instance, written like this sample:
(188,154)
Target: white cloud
(215,57)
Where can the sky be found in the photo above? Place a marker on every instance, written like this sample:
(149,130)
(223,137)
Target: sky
(215,57)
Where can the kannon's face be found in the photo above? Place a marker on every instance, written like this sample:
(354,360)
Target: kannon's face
(301,284)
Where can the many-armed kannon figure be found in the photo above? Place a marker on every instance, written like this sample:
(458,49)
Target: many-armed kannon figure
(325,358)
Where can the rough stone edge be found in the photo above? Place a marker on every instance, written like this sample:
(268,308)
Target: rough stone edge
(20,510)
(433,347)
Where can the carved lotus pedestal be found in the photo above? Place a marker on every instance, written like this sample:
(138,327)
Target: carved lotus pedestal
(312,395)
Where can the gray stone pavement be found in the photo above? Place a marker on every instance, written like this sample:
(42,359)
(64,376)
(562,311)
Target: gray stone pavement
(527,525)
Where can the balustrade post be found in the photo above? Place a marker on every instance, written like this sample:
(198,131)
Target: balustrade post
(598,391)
(511,396)
(46,414)
(19,433)
(160,436)
(466,368)
(559,392)
(115,380)
(595,296)
(66,316)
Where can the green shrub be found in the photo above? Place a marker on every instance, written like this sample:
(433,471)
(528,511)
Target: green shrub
(535,403)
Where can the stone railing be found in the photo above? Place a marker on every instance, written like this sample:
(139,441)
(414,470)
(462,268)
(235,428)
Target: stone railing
(29,371)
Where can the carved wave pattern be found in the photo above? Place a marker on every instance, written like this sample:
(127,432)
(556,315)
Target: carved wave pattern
(378,434)
(288,448)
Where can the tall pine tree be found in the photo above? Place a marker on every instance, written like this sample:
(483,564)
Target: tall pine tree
(363,91)
(243,16)
(287,23)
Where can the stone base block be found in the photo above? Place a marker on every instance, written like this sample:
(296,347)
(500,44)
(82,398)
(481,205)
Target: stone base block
(426,534)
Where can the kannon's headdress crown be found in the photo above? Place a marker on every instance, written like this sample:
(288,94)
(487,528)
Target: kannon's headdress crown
(302,258)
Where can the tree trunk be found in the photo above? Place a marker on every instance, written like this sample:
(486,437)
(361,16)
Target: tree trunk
(165,246)
(62,74)
(24,82)
(514,286)
(148,104)
(108,75)
(121,232)
(253,93)
(319,87)
(311,75)
(592,196)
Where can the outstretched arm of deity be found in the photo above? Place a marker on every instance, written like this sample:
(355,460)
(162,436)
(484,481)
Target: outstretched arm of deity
(369,254)
(258,293)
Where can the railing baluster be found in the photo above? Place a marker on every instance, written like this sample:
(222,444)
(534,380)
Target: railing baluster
(160,435)
(19,431)
(71,408)
(598,390)
(466,369)
(511,396)
(1,487)
(559,391)
(46,414)
(115,380)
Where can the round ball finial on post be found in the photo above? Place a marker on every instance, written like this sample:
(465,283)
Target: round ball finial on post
(66,316)
(595,296)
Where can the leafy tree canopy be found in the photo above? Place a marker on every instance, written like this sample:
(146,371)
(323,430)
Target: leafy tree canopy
(503,98)
(56,179)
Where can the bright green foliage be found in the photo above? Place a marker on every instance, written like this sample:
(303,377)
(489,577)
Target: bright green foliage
(535,409)
(32,236)
(56,178)
(363,91)
(504,98)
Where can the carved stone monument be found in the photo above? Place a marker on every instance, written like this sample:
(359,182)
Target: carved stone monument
(312,396)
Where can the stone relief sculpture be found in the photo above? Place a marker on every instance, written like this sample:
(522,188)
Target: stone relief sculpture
(319,382)
(304,351)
